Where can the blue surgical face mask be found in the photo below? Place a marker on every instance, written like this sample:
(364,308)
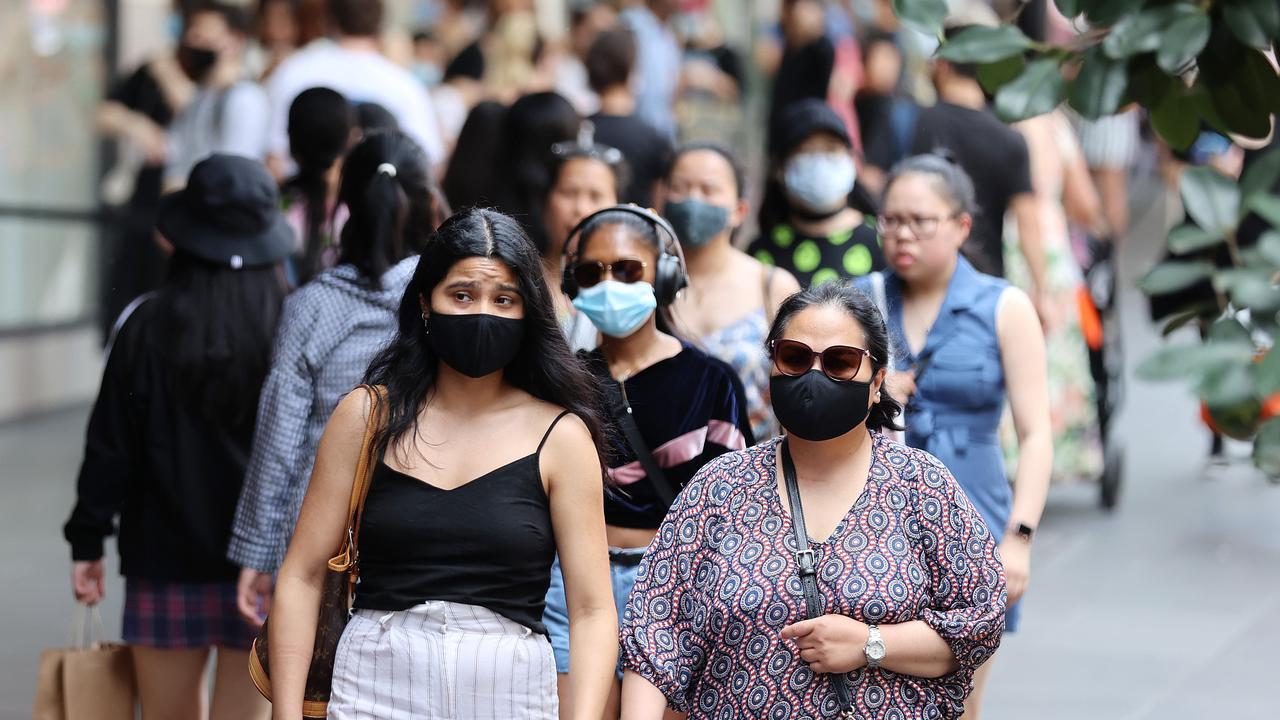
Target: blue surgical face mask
(820,182)
(617,309)
(695,221)
(428,74)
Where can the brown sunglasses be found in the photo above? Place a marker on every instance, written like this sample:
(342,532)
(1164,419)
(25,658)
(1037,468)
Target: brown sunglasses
(838,362)
(624,270)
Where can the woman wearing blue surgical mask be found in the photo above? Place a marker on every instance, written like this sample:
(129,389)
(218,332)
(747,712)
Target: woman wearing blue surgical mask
(809,222)
(674,408)
(732,297)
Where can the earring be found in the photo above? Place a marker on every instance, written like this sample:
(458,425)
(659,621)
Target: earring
(424,324)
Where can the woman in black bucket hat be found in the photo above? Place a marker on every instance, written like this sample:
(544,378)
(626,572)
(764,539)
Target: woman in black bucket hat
(170,433)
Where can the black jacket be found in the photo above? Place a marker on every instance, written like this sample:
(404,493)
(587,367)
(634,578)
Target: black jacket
(171,476)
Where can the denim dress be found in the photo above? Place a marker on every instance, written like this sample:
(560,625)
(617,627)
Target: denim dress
(960,394)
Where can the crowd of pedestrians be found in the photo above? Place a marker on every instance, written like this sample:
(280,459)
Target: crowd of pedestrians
(638,424)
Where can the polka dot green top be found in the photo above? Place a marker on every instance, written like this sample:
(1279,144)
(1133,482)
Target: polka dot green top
(816,260)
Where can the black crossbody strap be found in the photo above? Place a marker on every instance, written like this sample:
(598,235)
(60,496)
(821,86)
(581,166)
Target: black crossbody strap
(809,570)
(627,423)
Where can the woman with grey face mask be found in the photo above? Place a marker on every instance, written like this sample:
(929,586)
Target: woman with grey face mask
(808,224)
(731,298)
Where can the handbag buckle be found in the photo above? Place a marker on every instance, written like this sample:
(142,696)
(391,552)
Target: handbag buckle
(805,560)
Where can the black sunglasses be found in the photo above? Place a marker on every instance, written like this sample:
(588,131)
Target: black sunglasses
(838,362)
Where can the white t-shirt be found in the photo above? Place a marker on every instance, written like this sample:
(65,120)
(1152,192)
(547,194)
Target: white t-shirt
(361,77)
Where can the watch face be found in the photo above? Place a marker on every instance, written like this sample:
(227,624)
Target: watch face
(875,650)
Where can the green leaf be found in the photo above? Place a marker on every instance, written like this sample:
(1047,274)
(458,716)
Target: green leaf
(1230,386)
(1189,238)
(1269,247)
(1266,448)
(1097,90)
(1230,330)
(1173,275)
(1071,8)
(1036,91)
(1177,120)
(1183,39)
(1262,176)
(1267,373)
(1180,362)
(1255,22)
(1149,86)
(1211,199)
(996,75)
(1240,87)
(981,44)
(1267,206)
(1249,288)
(1107,12)
(925,15)
(1142,32)
(1184,317)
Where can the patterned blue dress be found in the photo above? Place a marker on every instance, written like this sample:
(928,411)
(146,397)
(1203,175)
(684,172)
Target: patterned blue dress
(960,395)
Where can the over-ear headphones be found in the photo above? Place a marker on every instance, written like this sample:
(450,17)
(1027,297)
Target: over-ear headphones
(670,276)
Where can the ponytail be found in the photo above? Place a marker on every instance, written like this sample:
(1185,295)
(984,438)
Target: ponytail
(394,206)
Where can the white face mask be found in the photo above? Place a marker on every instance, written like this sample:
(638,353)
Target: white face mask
(820,182)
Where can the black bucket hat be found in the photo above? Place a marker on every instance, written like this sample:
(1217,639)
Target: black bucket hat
(228,214)
(802,118)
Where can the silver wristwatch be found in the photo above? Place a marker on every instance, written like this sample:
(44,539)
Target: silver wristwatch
(874,649)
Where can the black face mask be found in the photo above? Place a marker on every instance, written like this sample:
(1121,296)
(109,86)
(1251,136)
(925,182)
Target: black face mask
(814,407)
(196,62)
(475,344)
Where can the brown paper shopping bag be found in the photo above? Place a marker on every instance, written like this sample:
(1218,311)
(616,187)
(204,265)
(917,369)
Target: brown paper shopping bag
(89,680)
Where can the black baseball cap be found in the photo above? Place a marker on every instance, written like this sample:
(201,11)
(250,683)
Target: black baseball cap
(804,118)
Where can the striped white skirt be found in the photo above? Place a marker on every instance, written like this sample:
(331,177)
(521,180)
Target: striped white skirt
(442,661)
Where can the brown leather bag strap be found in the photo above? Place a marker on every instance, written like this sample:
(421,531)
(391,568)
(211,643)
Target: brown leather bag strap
(348,551)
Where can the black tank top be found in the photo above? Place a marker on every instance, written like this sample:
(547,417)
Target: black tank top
(488,542)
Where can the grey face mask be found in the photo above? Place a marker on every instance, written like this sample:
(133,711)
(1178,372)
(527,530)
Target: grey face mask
(695,221)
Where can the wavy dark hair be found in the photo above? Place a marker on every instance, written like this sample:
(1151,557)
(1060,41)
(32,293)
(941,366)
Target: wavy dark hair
(216,328)
(320,125)
(393,201)
(544,367)
(861,308)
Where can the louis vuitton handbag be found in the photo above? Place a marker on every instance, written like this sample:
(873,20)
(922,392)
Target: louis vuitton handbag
(339,584)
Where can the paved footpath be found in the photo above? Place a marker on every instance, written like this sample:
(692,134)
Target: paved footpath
(1164,609)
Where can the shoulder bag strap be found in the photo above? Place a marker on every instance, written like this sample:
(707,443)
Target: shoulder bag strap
(809,571)
(621,411)
(348,557)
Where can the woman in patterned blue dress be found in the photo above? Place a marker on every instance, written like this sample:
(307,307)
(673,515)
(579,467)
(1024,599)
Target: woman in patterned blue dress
(908,594)
(964,341)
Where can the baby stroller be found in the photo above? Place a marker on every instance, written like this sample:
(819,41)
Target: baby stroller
(1101,327)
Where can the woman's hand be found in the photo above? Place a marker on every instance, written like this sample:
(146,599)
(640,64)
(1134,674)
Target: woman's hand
(830,644)
(87,581)
(1015,552)
(253,596)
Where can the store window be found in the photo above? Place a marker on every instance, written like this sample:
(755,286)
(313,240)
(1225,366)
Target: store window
(51,76)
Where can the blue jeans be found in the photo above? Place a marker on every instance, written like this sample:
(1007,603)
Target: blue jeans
(623,564)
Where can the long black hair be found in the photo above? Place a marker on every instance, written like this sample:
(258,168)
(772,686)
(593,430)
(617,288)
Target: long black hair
(863,309)
(216,328)
(534,123)
(394,204)
(544,367)
(471,176)
(320,125)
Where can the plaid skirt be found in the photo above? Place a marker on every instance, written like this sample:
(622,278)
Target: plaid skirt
(183,616)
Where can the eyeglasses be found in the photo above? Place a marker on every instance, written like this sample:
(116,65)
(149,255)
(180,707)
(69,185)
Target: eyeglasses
(921,227)
(624,270)
(838,362)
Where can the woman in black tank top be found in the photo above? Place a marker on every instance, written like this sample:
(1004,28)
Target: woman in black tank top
(489,462)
